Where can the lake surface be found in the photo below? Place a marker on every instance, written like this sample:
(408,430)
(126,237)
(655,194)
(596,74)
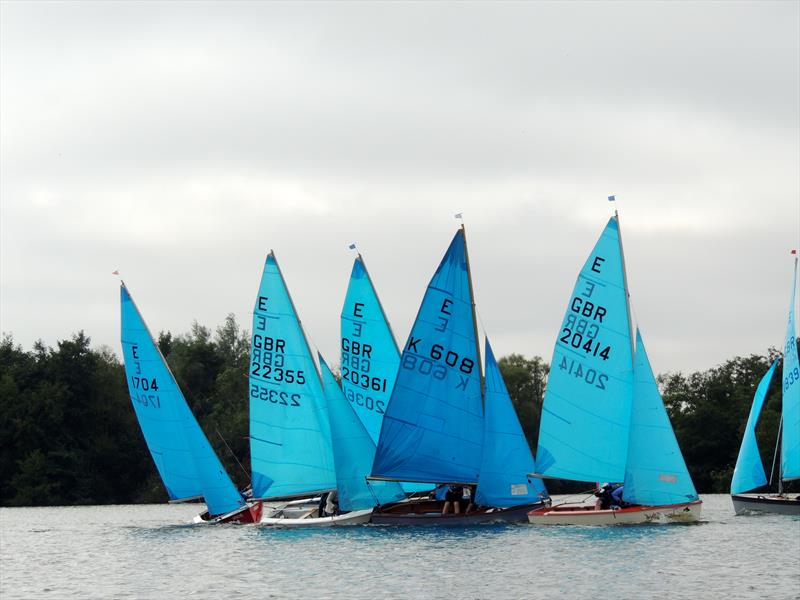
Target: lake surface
(151,551)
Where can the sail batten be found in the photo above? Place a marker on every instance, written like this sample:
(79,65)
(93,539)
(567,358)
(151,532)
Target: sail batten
(289,429)
(187,464)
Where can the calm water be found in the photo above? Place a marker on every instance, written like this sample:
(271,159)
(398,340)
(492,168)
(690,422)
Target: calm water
(150,552)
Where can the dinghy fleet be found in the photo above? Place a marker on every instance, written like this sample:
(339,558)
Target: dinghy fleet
(426,434)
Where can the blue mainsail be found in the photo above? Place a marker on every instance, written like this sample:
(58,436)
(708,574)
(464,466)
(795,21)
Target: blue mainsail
(433,427)
(183,456)
(353,451)
(369,354)
(656,473)
(790,440)
(583,432)
(370,357)
(290,444)
(749,471)
(507,458)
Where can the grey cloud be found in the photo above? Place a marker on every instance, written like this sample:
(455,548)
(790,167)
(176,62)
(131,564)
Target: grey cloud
(180,141)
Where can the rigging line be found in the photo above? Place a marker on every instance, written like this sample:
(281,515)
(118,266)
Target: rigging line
(232,452)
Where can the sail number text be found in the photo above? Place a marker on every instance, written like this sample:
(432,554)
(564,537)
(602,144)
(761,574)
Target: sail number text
(577,370)
(580,333)
(278,374)
(261,392)
(437,361)
(448,357)
(356,363)
(790,379)
(367,402)
(139,384)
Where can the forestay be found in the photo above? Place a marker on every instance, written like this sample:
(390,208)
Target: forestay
(656,474)
(507,458)
(353,451)
(584,427)
(433,427)
(183,456)
(790,440)
(749,471)
(290,443)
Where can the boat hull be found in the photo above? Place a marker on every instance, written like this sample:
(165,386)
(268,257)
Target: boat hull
(428,513)
(242,516)
(585,514)
(782,505)
(355,517)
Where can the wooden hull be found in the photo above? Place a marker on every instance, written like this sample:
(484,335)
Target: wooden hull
(356,517)
(782,505)
(428,513)
(243,516)
(585,514)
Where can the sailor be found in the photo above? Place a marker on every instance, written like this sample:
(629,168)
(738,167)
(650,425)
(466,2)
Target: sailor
(471,489)
(332,504)
(604,496)
(616,497)
(453,498)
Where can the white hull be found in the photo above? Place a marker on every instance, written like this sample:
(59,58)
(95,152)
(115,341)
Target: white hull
(585,514)
(296,509)
(356,517)
(782,505)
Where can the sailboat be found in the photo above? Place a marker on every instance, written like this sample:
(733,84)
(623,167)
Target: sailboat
(182,454)
(370,357)
(603,419)
(296,425)
(749,473)
(447,424)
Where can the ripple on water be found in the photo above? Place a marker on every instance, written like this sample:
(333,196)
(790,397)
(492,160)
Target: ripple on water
(154,552)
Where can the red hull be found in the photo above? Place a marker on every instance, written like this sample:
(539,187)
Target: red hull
(249,514)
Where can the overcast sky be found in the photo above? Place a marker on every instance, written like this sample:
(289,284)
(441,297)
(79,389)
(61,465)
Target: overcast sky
(179,142)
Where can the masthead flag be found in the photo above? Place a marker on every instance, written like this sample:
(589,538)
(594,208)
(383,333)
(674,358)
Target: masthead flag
(352,246)
(794,252)
(612,198)
(458,216)
(115,272)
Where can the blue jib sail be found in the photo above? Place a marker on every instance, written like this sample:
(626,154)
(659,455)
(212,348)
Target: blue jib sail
(749,472)
(433,428)
(290,444)
(507,458)
(185,460)
(790,435)
(353,451)
(583,432)
(656,473)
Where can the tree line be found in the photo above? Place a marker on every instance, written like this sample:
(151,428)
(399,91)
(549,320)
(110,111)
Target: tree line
(68,433)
